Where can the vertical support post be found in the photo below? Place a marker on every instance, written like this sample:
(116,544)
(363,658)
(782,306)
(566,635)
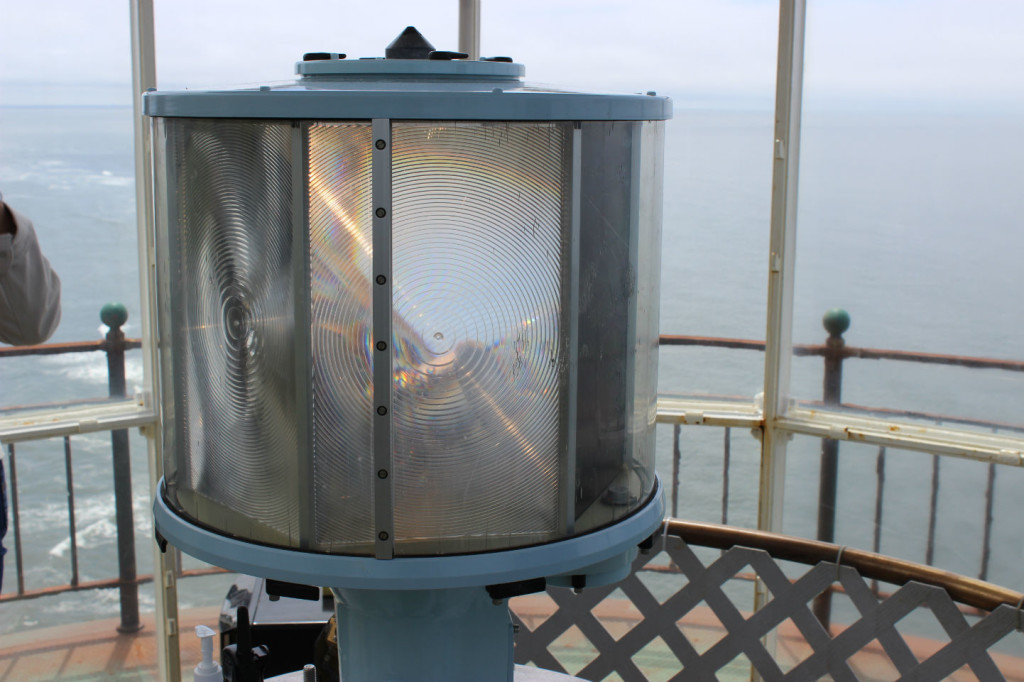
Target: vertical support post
(69,478)
(165,592)
(677,455)
(781,270)
(114,315)
(879,498)
(781,266)
(933,506)
(726,457)
(835,321)
(19,561)
(469,28)
(986,543)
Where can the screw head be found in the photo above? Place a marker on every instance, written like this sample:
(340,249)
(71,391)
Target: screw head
(381,345)
(381,410)
(383,536)
(382,474)
(381,279)
(836,321)
(381,212)
(114,315)
(380,144)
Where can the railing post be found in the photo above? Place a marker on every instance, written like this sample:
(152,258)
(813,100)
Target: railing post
(19,556)
(677,455)
(114,315)
(835,321)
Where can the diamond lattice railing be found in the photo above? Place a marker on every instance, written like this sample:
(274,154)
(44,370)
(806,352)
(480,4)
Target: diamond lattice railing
(675,618)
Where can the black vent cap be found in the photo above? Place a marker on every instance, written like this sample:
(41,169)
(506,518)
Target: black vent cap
(410,44)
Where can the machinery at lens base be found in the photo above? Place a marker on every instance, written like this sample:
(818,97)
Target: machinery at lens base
(408,332)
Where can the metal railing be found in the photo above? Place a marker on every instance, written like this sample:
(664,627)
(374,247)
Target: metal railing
(985,515)
(114,345)
(833,351)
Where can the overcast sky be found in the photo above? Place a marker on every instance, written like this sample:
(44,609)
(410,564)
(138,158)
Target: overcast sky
(77,51)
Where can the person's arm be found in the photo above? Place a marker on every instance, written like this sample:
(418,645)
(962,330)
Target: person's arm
(29,288)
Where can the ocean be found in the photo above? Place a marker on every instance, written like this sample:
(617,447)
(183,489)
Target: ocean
(910,219)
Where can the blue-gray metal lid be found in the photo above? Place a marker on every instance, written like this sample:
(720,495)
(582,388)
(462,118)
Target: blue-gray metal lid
(417,89)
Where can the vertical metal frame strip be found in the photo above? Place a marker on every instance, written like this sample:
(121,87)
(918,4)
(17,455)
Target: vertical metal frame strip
(781,269)
(635,171)
(143,47)
(567,466)
(302,339)
(382,339)
(469,28)
(169,288)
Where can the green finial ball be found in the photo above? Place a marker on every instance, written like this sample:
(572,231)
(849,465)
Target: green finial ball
(836,321)
(114,315)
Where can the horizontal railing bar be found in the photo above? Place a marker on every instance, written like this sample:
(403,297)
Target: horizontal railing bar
(679,410)
(931,439)
(914,414)
(731,410)
(933,358)
(59,348)
(9,411)
(739,344)
(664,339)
(849,352)
(75,419)
(969,591)
(109,583)
(710,341)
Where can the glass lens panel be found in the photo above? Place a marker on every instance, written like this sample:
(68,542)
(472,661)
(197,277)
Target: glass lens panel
(165,208)
(648,304)
(479,240)
(229,290)
(620,258)
(341,252)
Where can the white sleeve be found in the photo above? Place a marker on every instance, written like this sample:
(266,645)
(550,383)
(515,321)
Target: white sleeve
(29,288)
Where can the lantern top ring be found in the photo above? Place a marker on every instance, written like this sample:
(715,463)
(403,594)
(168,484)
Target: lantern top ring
(408,89)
